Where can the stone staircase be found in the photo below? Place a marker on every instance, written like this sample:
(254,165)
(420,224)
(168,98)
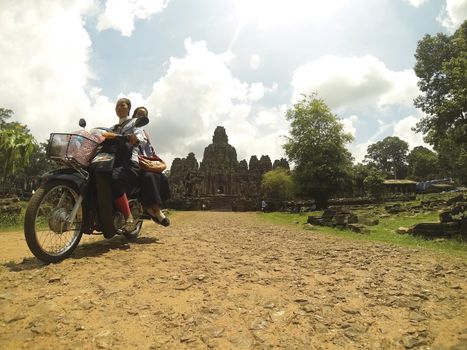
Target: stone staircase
(220,202)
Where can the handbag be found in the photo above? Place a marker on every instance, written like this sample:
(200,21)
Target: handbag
(153,164)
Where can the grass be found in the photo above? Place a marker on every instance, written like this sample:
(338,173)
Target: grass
(383,232)
(11,221)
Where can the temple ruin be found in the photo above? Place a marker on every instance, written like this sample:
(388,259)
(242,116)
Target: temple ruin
(220,181)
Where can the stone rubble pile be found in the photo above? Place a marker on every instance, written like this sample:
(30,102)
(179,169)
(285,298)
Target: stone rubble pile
(453,221)
(343,218)
(10,205)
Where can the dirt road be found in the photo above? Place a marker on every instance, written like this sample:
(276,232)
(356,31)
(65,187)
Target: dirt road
(231,281)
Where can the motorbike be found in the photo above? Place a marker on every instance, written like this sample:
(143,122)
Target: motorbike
(76,198)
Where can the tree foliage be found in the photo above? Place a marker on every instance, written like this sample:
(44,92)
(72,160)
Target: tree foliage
(422,164)
(4,115)
(277,184)
(316,145)
(374,183)
(441,66)
(38,162)
(17,146)
(359,174)
(389,156)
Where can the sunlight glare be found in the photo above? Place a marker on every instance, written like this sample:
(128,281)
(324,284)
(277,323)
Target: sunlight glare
(268,13)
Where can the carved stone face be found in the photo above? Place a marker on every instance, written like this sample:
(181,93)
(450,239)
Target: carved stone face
(220,136)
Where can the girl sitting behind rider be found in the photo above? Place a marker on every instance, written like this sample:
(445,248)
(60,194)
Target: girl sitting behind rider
(155,187)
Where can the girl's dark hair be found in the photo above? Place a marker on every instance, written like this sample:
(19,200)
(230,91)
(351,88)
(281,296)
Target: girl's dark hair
(137,109)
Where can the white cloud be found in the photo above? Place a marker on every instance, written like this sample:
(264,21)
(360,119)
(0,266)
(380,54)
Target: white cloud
(255,62)
(198,93)
(416,3)
(270,13)
(403,130)
(349,125)
(345,81)
(264,134)
(359,149)
(250,142)
(44,59)
(453,14)
(256,91)
(122,14)
(403,88)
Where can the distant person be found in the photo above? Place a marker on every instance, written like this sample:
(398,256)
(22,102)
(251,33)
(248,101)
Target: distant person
(263,205)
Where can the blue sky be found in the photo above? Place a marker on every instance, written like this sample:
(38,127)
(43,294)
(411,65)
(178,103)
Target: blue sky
(197,64)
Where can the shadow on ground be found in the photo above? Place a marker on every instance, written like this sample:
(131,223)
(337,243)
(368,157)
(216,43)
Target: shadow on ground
(86,250)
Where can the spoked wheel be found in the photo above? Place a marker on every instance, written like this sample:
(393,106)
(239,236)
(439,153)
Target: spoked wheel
(137,212)
(49,234)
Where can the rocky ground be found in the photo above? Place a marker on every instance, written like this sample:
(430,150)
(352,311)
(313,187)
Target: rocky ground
(231,281)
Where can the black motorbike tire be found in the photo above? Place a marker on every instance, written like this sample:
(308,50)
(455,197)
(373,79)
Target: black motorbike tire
(30,224)
(131,236)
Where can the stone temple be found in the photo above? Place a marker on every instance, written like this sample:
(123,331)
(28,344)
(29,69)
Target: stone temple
(220,181)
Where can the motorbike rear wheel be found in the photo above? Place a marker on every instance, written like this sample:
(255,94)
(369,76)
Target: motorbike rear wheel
(48,235)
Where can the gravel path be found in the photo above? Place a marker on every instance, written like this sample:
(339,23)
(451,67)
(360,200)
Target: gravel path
(231,281)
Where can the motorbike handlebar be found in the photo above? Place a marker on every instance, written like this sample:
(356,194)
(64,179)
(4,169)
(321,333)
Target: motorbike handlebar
(119,137)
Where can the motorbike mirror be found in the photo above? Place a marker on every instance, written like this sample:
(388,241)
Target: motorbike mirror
(141,121)
(82,123)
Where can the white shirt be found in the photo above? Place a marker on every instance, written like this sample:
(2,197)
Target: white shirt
(128,129)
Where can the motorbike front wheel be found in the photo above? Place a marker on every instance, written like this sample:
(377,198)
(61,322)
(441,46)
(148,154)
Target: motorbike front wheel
(49,234)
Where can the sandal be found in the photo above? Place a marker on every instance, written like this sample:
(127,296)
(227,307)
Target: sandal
(164,222)
(129,225)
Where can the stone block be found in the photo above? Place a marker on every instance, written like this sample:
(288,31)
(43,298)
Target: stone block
(403,230)
(445,216)
(459,198)
(358,228)
(339,220)
(314,220)
(352,219)
(329,213)
(369,221)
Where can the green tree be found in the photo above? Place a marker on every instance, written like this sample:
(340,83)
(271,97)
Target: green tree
(374,183)
(422,164)
(441,66)
(38,162)
(4,115)
(389,156)
(359,173)
(16,146)
(277,184)
(316,146)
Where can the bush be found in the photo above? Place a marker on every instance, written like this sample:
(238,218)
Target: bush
(277,184)
(374,184)
(11,220)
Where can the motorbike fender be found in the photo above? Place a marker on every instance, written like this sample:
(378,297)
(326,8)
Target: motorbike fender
(81,185)
(64,174)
